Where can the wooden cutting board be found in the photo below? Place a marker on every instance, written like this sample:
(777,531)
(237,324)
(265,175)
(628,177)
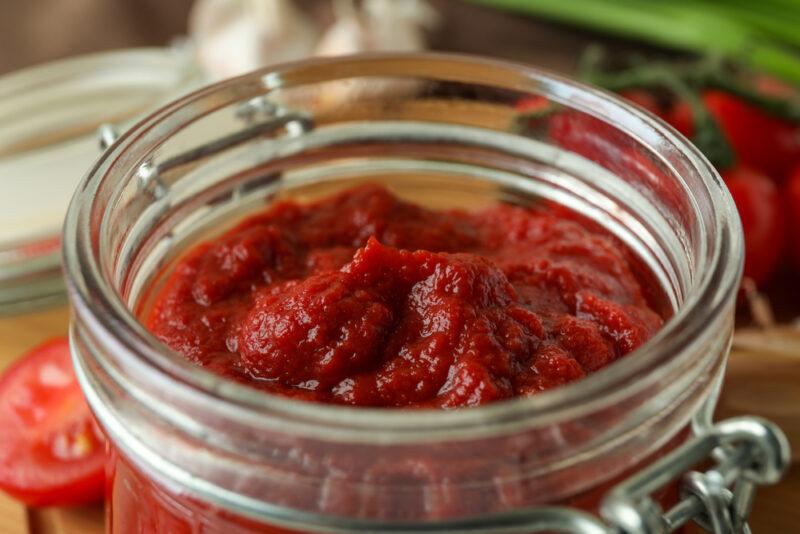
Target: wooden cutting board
(763,380)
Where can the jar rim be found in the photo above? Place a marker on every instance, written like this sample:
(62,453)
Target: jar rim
(95,299)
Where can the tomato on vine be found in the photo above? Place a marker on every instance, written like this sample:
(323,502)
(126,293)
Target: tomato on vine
(767,143)
(764,220)
(791,194)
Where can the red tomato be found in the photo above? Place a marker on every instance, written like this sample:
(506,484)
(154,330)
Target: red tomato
(681,118)
(52,452)
(763,219)
(643,99)
(766,143)
(791,194)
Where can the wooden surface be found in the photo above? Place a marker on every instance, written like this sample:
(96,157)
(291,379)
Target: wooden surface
(752,377)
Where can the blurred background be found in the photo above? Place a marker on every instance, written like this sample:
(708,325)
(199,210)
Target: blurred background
(43,30)
(724,73)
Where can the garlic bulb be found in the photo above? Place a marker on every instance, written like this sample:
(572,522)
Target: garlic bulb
(237,36)
(381,25)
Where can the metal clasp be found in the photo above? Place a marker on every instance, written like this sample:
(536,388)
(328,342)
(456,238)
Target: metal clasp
(748,451)
(261,116)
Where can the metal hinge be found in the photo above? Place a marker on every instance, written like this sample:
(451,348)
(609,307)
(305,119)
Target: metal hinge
(261,117)
(746,452)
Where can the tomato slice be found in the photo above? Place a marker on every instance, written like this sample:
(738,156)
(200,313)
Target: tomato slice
(52,452)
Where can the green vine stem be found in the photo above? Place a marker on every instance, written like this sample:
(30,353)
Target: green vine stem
(685,81)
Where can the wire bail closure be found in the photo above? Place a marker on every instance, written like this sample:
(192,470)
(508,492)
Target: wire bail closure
(261,115)
(747,451)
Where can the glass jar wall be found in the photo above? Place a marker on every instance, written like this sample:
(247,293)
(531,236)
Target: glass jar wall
(194,452)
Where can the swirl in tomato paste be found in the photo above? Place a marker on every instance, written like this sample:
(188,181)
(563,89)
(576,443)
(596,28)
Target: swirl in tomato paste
(367,300)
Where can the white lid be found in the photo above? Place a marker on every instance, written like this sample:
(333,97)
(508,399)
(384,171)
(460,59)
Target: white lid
(49,118)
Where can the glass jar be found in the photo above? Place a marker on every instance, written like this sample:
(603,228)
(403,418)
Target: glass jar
(192,452)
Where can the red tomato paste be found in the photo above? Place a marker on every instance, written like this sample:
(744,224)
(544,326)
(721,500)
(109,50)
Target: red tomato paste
(367,300)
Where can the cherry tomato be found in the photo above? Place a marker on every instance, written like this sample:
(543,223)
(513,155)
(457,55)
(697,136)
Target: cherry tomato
(791,194)
(760,141)
(643,99)
(680,117)
(763,220)
(51,452)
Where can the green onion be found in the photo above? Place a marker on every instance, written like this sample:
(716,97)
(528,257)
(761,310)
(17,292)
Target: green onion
(761,34)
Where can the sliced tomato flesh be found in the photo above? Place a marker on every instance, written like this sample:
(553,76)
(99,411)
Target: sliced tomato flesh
(52,452)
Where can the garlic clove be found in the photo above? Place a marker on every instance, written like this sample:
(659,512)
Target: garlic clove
(237,36)
(347,35)
(381,25)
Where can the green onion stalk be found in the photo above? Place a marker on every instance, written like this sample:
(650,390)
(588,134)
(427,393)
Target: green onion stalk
(760,34)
